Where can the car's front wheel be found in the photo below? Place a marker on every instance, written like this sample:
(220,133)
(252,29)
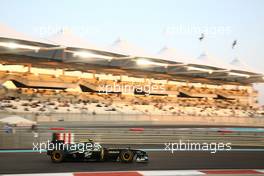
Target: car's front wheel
(57,156)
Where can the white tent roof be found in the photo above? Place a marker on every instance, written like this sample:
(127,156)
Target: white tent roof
(68,39)
(238,64)
(17,120)
(207,59)
(126,48)
(172,54)
(10,33)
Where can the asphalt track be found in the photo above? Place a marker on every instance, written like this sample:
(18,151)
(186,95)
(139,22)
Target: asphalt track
(17,163)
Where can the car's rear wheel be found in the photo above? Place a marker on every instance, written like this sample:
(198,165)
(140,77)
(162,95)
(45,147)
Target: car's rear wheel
(126,156)
(57,156)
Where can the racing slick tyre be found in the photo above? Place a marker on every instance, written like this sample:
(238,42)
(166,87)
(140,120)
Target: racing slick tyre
(126,156)
(57,156)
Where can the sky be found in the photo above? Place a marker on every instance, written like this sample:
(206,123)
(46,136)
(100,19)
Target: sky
(151,24)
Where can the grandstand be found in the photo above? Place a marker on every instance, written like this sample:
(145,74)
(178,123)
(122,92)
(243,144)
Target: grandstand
(64,74)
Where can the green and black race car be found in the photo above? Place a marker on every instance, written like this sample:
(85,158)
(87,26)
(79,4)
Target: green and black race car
(90,151)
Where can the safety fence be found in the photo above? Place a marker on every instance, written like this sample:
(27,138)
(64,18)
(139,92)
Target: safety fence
(24,138)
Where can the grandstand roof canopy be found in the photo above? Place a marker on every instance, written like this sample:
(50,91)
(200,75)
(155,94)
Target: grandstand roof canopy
(68,48)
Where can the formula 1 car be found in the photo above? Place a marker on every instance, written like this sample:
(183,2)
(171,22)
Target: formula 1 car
(90,151)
